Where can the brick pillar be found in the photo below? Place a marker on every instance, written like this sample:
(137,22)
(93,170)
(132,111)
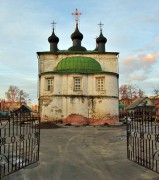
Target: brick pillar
(157,111)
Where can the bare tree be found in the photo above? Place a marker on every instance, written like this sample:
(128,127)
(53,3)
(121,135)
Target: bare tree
(130,91)
(14,94)
(141,93)
(156,92)
(123,92)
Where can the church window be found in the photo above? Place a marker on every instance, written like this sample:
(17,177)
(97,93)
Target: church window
(100,83)
(77,83)
(49,84)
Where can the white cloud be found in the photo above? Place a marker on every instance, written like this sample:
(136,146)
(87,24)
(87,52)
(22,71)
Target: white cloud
(140,70)
(137,77)
(141,62)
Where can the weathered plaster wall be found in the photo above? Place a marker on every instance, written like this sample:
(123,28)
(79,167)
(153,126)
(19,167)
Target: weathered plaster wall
(63,101)
(63,85)
(56,108)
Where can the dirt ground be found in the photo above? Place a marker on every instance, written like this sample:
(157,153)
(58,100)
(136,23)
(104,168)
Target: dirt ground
(83,153)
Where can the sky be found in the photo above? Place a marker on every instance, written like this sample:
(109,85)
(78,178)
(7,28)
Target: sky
(131,28)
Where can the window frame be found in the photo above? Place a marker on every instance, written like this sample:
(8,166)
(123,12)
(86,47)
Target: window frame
(78,84)
(49,86)
(100,85)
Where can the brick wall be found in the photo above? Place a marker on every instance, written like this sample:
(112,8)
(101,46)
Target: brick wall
(157,107)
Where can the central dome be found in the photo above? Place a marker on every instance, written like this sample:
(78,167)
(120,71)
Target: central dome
(77,34)
(78,64)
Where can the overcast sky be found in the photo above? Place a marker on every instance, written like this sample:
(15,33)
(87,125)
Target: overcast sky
(130,26)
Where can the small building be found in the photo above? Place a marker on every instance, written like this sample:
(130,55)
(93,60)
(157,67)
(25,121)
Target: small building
(126,101)
(24,110)
(77,82)
(143,103)
(121,108)
(9,105)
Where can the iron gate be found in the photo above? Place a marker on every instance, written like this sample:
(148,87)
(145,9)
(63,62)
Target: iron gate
(143,139)
(19,142)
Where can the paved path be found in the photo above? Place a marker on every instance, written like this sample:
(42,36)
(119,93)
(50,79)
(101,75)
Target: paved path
(84,153)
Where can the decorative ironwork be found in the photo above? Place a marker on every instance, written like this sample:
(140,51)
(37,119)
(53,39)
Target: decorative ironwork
(76,14)
(19,142)
(100,26)
(53,25)
(143,139)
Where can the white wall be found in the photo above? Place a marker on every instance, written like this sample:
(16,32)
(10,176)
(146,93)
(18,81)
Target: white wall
(63,85)
(90,107)
(63,100)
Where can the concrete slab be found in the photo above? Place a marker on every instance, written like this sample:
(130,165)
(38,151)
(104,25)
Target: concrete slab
(84,153)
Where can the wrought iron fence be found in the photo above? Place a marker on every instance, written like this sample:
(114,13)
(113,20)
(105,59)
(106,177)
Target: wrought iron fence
(143,139)
(19,142)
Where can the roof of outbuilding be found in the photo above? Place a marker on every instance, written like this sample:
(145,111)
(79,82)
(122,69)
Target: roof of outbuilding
(137,102)
(78,64)
(121,106)
(24,108)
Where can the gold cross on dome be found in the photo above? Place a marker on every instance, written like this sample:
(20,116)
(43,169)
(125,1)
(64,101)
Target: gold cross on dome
(53,24)
(76,14)
(100,26)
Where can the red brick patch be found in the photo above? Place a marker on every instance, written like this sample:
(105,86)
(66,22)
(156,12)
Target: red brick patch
(76,119)
(157,107)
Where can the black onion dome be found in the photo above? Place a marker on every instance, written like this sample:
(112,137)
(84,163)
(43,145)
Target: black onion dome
(77,48)
(53,38)
(77,34)
(101,38)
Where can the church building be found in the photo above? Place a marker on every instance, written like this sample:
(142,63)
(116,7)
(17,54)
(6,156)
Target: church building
(78,86)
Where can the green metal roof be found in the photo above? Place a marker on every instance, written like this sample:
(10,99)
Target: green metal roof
(121,106)
(79,64)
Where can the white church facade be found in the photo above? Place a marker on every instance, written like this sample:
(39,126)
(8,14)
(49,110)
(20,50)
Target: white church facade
(78,86)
